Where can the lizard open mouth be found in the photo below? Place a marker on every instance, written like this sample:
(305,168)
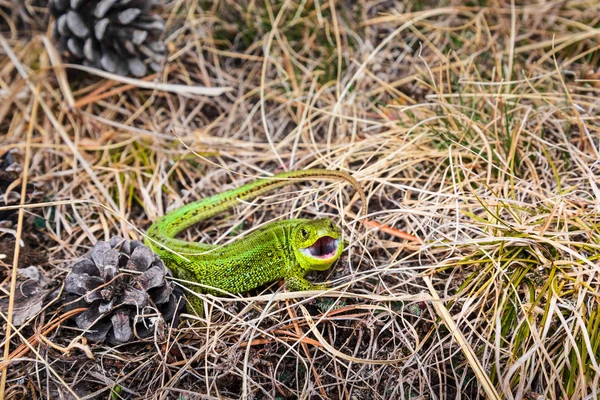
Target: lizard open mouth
(324,248)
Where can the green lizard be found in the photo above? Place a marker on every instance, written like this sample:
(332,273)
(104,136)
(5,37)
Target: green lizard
(279,250)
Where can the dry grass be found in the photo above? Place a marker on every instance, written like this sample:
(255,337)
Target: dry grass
(472,127)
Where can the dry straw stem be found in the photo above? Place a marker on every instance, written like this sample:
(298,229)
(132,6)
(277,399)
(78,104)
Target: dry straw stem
(464,345)
(472,128)
(21,213)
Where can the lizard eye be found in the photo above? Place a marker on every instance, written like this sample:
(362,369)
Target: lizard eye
(331,225)
(304,233)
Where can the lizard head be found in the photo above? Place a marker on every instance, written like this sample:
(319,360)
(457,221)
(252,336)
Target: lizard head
(317,244)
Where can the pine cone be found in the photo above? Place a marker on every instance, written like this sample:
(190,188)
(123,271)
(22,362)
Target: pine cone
(124,283)
(118,36)
(10,171)
(34,290)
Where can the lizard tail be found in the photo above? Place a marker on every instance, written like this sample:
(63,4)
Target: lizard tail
(168,226)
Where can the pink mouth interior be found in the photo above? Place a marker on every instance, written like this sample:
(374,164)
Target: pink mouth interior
(323,248)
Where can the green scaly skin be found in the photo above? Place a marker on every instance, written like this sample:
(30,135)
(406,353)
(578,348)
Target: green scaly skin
(277,251)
